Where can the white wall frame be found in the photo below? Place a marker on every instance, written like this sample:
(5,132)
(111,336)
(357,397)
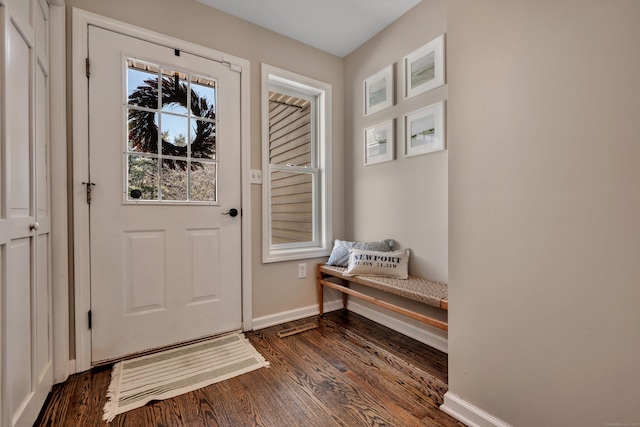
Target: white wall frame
(59,216)
(418,80)
(81,20)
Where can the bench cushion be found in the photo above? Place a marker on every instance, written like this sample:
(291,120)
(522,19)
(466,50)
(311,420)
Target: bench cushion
(413,288)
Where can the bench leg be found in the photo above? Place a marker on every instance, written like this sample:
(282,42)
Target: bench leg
(345,297)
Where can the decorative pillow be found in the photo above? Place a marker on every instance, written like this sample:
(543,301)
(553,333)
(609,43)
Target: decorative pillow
(340,253)
(374,263)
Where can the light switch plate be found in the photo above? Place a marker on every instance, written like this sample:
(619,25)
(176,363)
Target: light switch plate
(256,176)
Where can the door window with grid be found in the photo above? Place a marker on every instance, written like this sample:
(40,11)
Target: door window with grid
(171,141)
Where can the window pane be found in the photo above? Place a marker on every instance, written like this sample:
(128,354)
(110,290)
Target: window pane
(174,92)
(203,97)
(173,182)
(291,207)
(203,182)
(175,134)
(142,173)
(143,131)
(289,130)
(203,137)
(142,84)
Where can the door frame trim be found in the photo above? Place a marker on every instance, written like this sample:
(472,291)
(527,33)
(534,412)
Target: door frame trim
(59,213)
(80,132)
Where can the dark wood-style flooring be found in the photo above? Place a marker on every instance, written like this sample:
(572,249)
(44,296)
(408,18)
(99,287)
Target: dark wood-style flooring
(349,372)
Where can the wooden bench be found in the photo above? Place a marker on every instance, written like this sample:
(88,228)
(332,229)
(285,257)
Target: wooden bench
(413,288)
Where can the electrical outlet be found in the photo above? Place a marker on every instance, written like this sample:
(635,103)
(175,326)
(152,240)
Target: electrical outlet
(256,176)
(302,271)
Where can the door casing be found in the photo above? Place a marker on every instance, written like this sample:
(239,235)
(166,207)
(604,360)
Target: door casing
(81,20)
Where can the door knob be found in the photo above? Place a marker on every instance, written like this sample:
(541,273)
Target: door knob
(34,226)
(233,212)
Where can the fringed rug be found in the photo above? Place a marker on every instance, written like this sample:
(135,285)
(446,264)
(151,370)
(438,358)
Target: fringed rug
(158,376)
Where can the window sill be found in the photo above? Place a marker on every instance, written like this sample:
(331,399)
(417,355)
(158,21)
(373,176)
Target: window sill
(295,254)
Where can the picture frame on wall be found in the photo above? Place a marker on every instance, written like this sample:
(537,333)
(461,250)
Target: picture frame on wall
(379,143)
(424,130)
(378,91)
(424,68)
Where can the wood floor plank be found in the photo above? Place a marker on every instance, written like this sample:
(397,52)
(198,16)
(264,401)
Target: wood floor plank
(58,403)
(200,409)
(277,393)
(407,386)
(414,379)
(348,372)
(320,382)
(394,366)
(366,370)
(365,404)
(434,361)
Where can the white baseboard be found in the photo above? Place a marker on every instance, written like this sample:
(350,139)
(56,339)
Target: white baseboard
(289,316)
(418,334)
(469,414)
(72,367)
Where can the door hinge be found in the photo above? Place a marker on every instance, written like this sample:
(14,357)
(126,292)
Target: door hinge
(89,185)
(89,318)
(87,65)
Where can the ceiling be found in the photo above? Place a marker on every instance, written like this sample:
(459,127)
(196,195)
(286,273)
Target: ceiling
(335,26)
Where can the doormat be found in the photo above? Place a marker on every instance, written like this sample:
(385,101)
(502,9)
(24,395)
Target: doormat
(159,376)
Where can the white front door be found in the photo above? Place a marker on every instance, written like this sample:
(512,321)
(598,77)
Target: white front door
(164,164)
(25,219)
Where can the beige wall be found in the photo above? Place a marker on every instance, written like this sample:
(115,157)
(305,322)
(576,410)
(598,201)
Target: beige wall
(276,287)
(405,199)
(544,175)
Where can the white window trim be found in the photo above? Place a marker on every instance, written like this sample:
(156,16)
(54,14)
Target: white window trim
(322,90)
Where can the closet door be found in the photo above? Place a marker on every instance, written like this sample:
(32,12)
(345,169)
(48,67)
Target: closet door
(26,358)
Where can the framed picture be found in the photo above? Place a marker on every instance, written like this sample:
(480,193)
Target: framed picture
(424,130)
(379,143)
(424,68)
(378,91)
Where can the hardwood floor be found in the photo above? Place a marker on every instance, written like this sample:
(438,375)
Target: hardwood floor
(349,372)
